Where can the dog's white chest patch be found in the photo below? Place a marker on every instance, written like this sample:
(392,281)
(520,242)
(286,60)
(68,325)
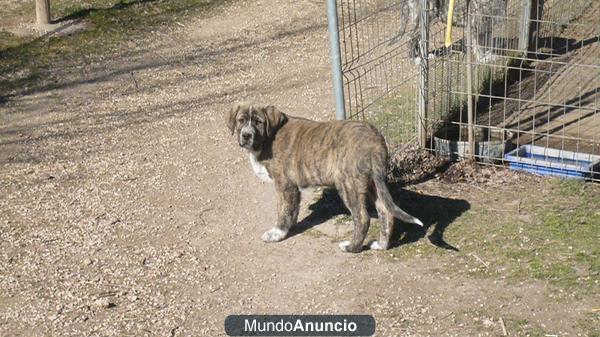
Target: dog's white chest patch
(259,169)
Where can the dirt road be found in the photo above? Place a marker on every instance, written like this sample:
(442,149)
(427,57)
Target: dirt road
(126,207)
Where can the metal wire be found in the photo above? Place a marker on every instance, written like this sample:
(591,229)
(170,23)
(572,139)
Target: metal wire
(536,67)
(379,85)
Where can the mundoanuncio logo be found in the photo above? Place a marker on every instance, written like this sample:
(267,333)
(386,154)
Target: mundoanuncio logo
(300,325)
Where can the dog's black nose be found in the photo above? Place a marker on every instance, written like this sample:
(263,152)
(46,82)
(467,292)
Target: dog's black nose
(246,136)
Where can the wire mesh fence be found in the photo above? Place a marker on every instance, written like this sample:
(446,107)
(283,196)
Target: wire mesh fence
(379,84)
(529,69)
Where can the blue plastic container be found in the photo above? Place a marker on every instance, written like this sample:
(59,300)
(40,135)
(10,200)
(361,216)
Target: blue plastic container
(548,161)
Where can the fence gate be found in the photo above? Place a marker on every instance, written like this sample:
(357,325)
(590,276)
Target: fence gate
(518,74)
(379,80)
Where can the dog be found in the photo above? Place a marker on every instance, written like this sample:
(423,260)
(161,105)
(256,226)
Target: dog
(295,153)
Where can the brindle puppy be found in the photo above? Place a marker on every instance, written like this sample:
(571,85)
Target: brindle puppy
(296,153)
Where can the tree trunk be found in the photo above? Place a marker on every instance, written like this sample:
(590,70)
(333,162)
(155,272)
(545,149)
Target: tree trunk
(42,12)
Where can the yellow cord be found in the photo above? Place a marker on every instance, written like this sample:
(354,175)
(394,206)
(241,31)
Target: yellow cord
(448,41)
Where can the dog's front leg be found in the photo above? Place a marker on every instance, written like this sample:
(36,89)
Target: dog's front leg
(288,205)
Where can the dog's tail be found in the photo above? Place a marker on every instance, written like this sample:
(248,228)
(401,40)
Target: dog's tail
(384,195)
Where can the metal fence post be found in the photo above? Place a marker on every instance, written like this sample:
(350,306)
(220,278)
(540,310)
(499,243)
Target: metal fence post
(336,65)
(423,73)
(470,107)
(525,26)
(530,16)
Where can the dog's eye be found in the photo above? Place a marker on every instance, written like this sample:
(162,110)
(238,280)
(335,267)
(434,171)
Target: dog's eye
(241,120)
(258,122)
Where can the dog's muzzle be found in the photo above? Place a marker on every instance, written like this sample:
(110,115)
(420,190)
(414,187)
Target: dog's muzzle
(247,138)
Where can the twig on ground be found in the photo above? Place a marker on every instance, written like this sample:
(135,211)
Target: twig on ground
(479,188)
(134,81)
(480,260)
(504,333)
(450,314)
(202,213)
(498,210)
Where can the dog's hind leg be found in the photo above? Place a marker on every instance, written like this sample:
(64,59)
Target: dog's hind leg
(356,201)
(288,206)
(386,220)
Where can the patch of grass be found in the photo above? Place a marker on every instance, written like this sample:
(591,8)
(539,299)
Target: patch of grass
(589,324)
(554,249)
(315,233)
(341,223)
(516,326)
(522,327)
(565,238)
(572,237)
(373,233)
(553,238)
(343,220)
(568,187)
(395,115)
(10,40)
(418,249)
(110,25)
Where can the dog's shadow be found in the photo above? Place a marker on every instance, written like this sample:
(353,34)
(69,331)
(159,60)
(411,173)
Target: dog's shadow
(433,211)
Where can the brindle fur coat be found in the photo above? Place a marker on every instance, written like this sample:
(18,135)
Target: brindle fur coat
(295,153)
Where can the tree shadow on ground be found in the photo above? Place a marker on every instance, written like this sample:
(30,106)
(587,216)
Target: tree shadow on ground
(20,86)
(83,13)
(435,212)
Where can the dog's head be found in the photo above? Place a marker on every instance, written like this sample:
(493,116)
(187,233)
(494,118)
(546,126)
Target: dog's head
(253,125)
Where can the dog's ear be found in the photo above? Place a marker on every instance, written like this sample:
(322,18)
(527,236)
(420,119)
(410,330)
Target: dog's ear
(274,119)
(232,117)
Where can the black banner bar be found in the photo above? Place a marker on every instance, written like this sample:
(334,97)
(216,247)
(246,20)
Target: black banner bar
(300,325)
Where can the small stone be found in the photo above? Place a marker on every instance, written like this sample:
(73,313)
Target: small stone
(104,303)
(87,262)
(488,322)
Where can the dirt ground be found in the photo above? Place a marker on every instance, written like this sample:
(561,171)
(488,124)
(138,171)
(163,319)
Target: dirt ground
(126,208)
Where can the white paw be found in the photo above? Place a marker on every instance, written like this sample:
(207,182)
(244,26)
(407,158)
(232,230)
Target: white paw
(273,235)
(418,222)
(375,245)
(344,245)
